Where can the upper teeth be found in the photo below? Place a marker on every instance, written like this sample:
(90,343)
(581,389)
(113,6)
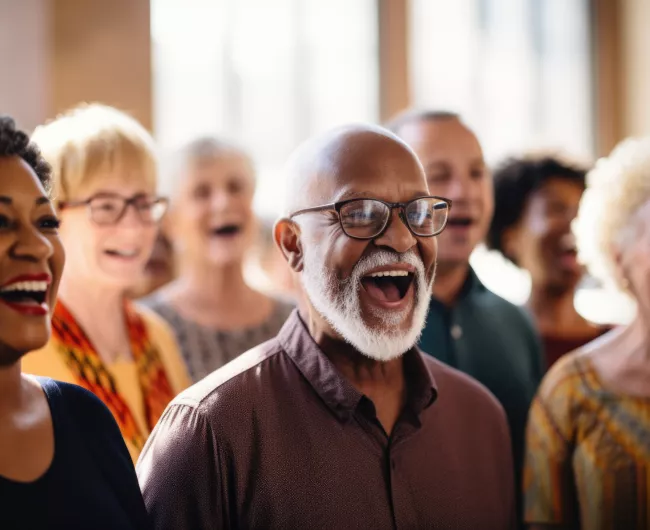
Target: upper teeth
(26,286)
(388,273)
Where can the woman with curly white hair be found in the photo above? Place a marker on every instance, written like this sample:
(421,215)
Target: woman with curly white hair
(588,438)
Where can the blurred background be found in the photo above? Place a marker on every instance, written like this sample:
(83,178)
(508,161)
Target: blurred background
(559,75)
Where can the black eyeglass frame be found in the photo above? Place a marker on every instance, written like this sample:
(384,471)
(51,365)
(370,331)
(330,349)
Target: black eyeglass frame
(391,206)
(131,201)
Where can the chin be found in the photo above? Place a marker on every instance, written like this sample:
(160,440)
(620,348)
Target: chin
(224,259)
(13,350)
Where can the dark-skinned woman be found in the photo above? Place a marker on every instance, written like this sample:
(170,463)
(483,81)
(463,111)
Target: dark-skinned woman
(63,463)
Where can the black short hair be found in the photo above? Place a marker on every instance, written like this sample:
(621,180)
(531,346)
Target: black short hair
(515,180)
(397,122)
(14,142)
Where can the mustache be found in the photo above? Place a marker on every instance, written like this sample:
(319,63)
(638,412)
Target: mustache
(384,258)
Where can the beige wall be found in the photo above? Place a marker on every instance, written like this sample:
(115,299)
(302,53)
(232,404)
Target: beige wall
(25,60)
(636,66)
(102,52)
(58,53)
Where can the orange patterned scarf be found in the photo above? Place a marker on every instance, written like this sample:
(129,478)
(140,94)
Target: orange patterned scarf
(91,373)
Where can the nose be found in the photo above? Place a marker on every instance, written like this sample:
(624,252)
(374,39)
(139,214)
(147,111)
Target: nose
(397,235)
(131,218)
(219,200)
(31,245)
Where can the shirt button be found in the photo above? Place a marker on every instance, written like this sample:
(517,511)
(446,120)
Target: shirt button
(456,331)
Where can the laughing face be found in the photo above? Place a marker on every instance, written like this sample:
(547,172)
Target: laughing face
(211,218)
(375,293)
(31,261)
(455,169)
(112,255)
(542,242)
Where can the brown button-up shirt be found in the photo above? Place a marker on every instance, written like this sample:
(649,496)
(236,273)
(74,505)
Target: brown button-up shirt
(279,439)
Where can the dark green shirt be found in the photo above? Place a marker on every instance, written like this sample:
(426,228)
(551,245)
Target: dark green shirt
(494,341)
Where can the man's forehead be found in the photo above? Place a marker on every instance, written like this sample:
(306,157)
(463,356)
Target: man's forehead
(435,140)
(351,161)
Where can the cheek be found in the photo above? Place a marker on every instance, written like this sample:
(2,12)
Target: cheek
(194,217)
(149,235)
(343,255)
(80,240)
(428,248)
(57,261)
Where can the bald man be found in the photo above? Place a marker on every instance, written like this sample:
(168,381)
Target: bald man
(340,421)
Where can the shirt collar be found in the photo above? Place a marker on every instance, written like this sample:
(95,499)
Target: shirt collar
(334,389)
(471,286)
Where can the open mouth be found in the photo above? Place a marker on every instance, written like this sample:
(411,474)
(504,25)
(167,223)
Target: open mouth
(388,286)
(229,230)
(123,254)
(460,222)
(569,258)
(27,297)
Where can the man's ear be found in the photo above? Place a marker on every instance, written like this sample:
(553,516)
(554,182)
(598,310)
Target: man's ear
(287,237)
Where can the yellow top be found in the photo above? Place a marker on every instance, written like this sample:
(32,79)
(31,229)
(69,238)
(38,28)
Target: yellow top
(70,357)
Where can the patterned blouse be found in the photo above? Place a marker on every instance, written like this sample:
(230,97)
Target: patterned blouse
(135,388)
(205,349)
(588,452)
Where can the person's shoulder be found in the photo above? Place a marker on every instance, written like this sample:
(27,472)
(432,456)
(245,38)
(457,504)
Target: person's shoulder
(515,317)
(453,384)
(79,398)
(158,329)
(149,311)
(85,407)
(157,302)
(236,381)
(498,303)
(566,376)
(163,337)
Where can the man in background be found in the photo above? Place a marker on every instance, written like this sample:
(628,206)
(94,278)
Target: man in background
(470,327)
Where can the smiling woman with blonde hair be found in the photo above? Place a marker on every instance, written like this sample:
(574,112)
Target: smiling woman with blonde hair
(588,439)
(104,184)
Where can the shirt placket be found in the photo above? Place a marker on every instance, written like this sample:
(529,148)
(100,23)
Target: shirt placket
(404,513)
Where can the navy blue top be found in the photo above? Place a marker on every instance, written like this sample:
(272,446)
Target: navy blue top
(91,482)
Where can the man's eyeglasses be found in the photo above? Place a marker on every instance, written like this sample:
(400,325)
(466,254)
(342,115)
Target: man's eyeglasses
(109,208)
(368,218)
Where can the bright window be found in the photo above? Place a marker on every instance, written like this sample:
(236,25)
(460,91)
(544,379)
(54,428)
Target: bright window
(265,73)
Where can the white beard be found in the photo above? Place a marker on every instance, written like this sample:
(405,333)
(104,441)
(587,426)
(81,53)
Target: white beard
(339,304)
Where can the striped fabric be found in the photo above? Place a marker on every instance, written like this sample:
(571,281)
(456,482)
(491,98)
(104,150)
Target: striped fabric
(588,453)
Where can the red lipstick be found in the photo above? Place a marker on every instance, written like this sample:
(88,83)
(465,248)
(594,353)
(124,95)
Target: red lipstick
(30,307)
(43,277)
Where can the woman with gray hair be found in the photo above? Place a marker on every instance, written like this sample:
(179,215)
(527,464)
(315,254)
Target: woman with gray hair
(588,439)
(214,313)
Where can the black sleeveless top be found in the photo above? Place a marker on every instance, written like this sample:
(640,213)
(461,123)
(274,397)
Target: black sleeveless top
(91,483)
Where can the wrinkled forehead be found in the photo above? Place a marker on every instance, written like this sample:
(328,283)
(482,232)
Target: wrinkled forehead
(380,168)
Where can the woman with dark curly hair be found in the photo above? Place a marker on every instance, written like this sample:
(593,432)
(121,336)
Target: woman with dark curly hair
(63,463)
(536,200)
